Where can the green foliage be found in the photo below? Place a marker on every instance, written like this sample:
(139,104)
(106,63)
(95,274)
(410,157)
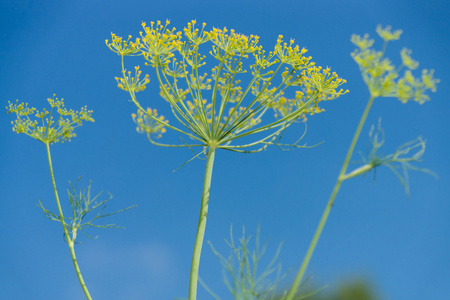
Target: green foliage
(400,161)
(82,204)
(242,265)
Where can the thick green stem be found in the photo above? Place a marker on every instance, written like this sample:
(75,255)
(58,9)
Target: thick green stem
(342,176)
(201,225)
(70,241)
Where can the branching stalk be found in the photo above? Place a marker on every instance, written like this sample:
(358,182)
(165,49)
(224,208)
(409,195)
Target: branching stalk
(342,177)
(70,241)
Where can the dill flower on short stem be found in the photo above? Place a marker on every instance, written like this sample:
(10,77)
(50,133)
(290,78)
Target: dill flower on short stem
(381,78)
(232,111)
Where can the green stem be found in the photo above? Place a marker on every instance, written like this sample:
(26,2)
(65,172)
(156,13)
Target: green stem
(70,241)
(330,203)
(201,224)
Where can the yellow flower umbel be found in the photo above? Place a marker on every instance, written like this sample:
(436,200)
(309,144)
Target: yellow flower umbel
(216,110)
(147,125)
(382,77)
(47,130)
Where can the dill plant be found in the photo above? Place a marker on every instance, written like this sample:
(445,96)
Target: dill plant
(220,111)
(50,130)
(382,79)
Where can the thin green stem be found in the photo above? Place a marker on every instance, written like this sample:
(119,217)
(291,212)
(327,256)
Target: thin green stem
(356,136)
(193,281)
(70,241)
(342,177)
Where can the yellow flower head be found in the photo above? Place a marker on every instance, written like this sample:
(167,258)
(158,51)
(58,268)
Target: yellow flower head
(407,60)
(229,44)
(195,35)
(150,123)
(47,130)
(290,54)
(133,84)
(387,35)
(123,48)
(159,42)
(383,78)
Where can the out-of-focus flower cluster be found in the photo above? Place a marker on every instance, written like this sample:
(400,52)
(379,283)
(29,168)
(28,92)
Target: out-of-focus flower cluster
(147,125)
(383,78)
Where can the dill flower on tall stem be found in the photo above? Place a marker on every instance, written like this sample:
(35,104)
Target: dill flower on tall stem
(48,132)
(46,128)
(219,111)
(382,80)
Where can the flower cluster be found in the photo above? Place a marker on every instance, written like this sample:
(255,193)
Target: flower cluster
(47,130)
(129,83)
(147,125)
(283,107)
(382,77)
(159,43)
(123,48)
(227,45)
(291,55)
(232,109)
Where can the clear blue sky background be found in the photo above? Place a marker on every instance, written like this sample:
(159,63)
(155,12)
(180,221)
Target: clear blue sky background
(376,232)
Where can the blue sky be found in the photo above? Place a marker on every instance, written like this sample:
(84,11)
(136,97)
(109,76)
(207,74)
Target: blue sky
(400,244)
